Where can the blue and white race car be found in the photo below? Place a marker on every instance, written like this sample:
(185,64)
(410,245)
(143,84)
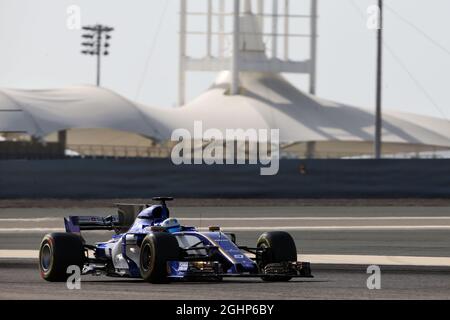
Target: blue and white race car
(148,244)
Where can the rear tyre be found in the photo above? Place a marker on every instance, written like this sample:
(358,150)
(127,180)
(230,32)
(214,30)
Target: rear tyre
(57,252)
(278,247)
(157,249)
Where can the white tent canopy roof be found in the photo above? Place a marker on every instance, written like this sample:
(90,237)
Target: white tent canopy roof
(41,112)
(266,101)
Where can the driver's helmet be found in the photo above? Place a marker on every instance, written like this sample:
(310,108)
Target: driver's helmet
(171,225)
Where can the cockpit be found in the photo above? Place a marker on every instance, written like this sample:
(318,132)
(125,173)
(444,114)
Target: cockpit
(148,217)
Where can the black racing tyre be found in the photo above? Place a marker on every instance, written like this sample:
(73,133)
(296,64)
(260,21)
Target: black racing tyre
(57,252)
(279,247)
(156,249)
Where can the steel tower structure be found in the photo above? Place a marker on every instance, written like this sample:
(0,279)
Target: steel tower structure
(249,52)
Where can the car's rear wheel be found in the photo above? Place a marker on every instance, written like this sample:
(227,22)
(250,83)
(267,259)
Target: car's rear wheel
(57,252)
(276,247)
(157,249)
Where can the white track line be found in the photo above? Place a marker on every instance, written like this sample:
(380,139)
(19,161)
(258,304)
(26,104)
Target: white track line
(313,258)
(40,230)
(255,218)
(338,228)
(267,228)
(376,260)
(315,218)
(19,254)
(31,219)
(30,230)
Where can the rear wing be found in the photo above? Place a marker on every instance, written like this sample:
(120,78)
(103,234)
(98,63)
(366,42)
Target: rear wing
(126,214)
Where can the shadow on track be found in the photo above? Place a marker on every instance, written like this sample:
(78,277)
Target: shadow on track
(200,282)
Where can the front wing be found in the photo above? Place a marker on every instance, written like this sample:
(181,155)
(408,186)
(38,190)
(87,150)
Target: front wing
(212,269)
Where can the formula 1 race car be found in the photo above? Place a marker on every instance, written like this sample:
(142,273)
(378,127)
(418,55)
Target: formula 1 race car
(148,244)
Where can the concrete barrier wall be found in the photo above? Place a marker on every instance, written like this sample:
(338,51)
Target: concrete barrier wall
(142,178)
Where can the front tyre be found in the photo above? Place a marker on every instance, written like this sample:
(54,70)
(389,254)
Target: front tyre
(57,252)
(157,249)
(277,247)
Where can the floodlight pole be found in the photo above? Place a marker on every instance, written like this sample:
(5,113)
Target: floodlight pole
(313,47)
(94,46)
(234,88)
(182,54)
(274,29)
(99,54)
(378,117)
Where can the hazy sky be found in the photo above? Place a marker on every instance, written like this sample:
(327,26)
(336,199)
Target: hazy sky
(39,51)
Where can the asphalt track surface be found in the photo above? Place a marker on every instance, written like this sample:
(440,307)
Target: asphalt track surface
(20,280)
(393,231)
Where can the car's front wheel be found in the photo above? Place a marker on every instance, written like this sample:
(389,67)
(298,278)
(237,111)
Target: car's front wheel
(157,249)
(275,247)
